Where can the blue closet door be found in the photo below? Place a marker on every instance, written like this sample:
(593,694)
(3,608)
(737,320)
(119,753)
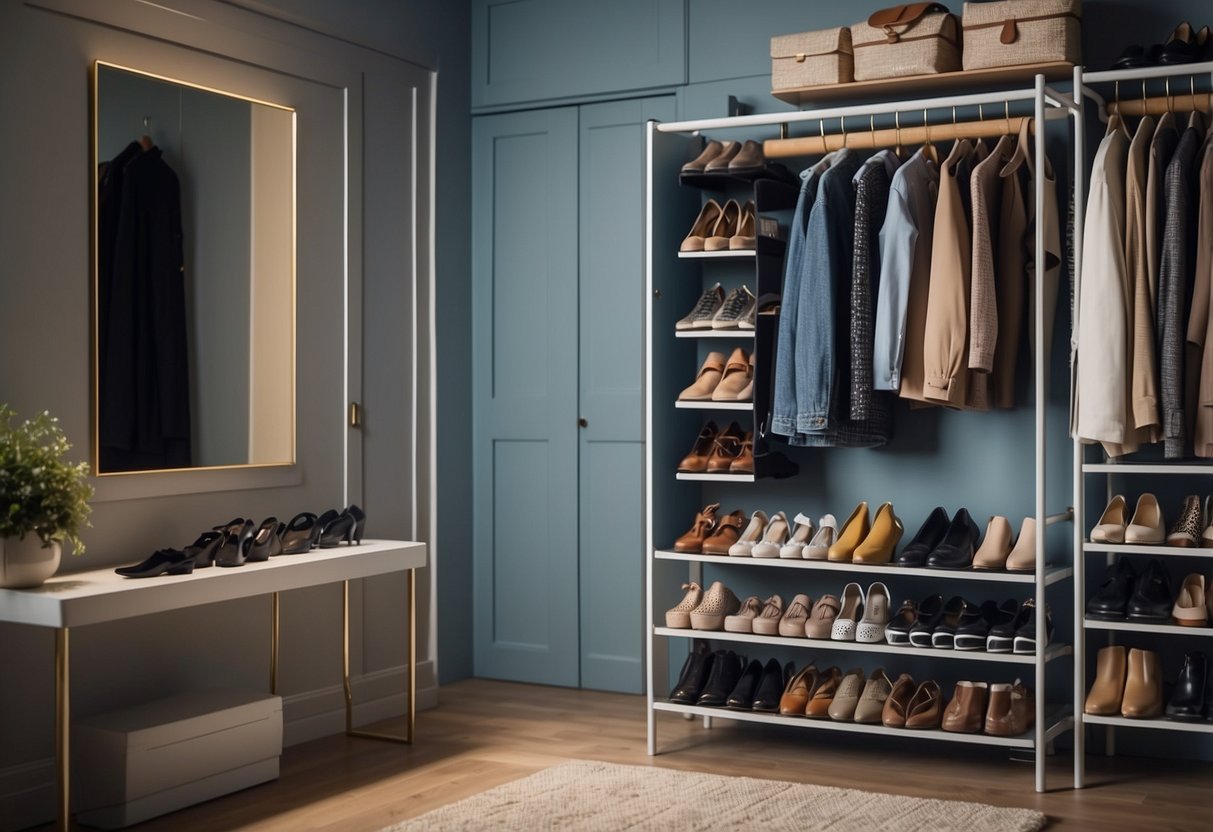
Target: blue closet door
(523,504)
(611,278)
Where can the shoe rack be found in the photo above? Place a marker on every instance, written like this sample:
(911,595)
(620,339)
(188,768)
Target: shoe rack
(1097,478)
(673,285)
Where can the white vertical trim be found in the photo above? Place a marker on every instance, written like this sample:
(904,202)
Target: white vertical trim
(1078,180)
(1041,387)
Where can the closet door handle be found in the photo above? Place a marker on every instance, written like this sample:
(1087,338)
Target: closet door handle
(583,422)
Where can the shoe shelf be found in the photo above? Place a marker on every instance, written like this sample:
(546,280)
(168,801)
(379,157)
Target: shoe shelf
(714,333)
(1053,651)
(716,477)
(714,405)
(1052,574)
(737,254)
(1147,468)
(1131,549)
(1057,718)
(1160,724)
(1145,628)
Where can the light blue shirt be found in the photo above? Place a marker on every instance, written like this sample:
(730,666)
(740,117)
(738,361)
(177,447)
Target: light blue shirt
(910,218)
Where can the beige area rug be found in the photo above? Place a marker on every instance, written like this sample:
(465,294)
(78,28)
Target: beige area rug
(597,797)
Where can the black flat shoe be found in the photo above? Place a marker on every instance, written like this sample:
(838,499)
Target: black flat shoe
(266,542)
(301,534)
(1111,602)
(897,631)
(694,674)
(928,536)
(726,672)
(237,537)
(956,549)
(1152,598)
(162,562)
(741,698)
(944,635)
(1189,701)
(930,612)
(204,548)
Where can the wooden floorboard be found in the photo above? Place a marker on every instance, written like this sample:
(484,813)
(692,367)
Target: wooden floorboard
(485,733)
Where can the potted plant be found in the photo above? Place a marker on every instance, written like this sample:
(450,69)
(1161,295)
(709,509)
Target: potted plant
(43,498)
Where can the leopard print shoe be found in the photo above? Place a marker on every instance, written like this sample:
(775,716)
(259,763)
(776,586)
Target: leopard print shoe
(1187,529)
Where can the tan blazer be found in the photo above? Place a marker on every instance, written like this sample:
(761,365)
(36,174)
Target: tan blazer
(1143,397)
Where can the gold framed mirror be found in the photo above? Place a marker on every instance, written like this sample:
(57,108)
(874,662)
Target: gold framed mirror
(193,291)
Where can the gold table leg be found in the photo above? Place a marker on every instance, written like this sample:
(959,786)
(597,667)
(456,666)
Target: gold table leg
(63,717)
(412,669)
(275,608)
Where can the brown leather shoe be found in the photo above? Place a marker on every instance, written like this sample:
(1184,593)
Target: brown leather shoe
(743,463)
(1011,711)
(724,535)
(726,447)
(967,710)
(710,151)
(749,159)
(827,687)
(1108,690)
(720,164)
(726,227)
(798,691)
(926,706)
(705,521)
(1143,686)
(707,381)
(696,462)
(894,713)
(737,374)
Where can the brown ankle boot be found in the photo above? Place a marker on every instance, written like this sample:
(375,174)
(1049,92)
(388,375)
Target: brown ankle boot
(1143,686)
(1109,687)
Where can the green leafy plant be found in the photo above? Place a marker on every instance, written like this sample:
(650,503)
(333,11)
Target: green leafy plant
(41,491)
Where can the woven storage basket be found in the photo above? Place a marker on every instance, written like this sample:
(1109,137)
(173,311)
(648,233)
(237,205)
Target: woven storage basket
(812,59)
(927,44)
(1013,32)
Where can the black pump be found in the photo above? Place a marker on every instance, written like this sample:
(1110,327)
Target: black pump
(301,534)
(203,550)
(265,543)
(237,539)
(347,526)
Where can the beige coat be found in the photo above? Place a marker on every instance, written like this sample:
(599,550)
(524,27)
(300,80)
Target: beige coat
(1143,397)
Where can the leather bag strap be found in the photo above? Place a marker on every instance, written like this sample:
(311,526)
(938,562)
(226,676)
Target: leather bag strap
(903,16)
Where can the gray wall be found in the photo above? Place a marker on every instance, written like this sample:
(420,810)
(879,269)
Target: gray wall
(44,234)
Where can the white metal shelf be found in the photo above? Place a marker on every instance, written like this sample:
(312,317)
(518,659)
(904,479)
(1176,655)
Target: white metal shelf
(1135,549)
(714,333)
(1054,651)
(710,405)
(727,254)
(1058,719)
(1147,629)
(1147,73)
(1052,575)
(1146,468)
(1195,727)
(716,477)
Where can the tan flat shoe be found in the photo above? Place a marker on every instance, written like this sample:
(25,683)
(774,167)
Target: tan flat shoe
(871,701)
(767,622)
(995,546)
(738,373)
(703,227)
(679,617)
(1108,690)
(821,621)
(1111,525)
(707,381)
(1147,526)
(746,394)
(853,532)
(693,539)
(742,621)
(880,542)
(794,617)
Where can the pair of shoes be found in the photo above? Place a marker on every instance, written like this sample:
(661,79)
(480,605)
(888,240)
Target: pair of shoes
(707,678)
(862,616)
(1125,594)
(716,451)
(1147,525)
(914,707)
(723,381)
(959,624)
(756,616)
(730,227)
(1184,46)
(306,531)
(864,541)
(998,551)
(1126,683)
(810,692)
(1003,710)
(710,530)
(716,310)
(701,610)
(760,686)
(733,158)
(861,701)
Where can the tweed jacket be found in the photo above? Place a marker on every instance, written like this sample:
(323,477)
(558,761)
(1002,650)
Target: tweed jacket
(872,184)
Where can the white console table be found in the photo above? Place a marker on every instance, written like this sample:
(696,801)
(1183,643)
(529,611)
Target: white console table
(78,599)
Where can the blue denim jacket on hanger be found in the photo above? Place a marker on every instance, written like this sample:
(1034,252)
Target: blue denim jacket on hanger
(783,408)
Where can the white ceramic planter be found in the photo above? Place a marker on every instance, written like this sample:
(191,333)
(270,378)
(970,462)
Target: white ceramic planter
(26,562)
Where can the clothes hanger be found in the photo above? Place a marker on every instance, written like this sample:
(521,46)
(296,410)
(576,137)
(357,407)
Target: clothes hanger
(900,149)
(145,141)
(928,149)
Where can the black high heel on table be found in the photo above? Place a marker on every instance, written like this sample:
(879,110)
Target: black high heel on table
(161,562)
(301,534)
(237,539)
(204,548)
(265,543)
(347,526)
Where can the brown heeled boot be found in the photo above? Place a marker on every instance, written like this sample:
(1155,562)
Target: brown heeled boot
(1108,689)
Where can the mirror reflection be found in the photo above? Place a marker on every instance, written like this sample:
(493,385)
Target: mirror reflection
(194,315)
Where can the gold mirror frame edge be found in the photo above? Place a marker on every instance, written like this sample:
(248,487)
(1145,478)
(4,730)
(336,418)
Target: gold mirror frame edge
(94,306)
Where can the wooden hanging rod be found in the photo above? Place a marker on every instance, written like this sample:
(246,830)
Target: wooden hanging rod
(1157,105)
(990,128)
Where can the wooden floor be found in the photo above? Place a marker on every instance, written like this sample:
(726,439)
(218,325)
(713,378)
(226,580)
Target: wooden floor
(487,733)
